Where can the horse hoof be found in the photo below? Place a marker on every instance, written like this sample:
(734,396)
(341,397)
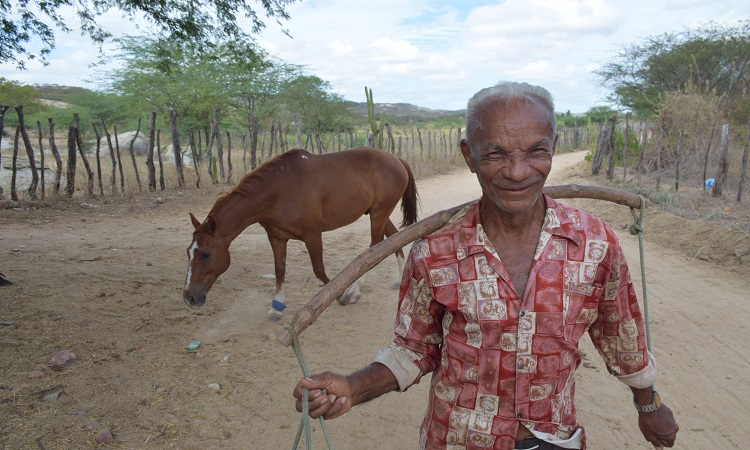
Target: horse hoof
(273,315)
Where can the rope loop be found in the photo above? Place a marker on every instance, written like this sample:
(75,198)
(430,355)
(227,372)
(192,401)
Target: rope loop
(304,424)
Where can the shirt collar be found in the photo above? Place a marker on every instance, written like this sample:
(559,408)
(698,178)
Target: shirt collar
(559,221)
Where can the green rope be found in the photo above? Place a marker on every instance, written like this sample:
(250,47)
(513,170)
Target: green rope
(637,229)
(304,423)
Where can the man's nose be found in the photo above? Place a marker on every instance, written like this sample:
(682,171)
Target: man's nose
(517,169)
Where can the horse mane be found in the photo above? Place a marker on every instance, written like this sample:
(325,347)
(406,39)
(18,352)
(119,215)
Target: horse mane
(251,183)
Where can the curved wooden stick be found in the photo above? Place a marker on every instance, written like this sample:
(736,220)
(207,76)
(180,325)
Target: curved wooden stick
(375,254)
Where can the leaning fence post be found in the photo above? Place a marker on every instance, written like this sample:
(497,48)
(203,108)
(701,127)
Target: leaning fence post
(29,153)
(71,174)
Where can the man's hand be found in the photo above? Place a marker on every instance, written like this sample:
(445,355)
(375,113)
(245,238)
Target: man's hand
(334,402)
(659,427)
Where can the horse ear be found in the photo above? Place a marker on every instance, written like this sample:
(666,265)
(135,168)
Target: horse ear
(195,222)
(211,224)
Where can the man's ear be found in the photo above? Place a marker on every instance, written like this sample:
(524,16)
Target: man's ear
(466,151)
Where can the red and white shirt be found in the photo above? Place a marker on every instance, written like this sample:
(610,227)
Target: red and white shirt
(500,360)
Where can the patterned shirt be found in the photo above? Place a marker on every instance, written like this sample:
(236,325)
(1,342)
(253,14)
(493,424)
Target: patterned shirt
(500,360)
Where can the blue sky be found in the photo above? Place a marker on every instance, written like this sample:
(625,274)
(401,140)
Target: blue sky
(436,54)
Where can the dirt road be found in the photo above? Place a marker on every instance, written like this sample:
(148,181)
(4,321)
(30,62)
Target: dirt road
(104,281)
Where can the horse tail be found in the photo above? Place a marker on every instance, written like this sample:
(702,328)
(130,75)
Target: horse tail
(410,200)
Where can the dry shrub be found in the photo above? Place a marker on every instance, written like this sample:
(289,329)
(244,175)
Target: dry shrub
(696,114)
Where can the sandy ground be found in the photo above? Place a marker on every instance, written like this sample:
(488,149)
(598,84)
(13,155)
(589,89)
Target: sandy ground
(104,281)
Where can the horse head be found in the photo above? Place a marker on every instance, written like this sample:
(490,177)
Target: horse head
(208,257)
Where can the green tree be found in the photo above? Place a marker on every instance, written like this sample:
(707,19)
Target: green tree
(22,21)
(313,100)
(600,114)
(258,92)
(715,58)
(160,74)
(13,94)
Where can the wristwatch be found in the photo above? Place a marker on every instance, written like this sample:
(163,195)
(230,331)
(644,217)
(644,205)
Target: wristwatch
(651,407)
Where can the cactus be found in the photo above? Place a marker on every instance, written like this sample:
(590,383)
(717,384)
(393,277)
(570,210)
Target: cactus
(375,126)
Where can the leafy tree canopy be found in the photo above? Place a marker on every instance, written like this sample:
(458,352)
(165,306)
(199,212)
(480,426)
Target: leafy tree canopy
(13,94)
(313,100)
(160,74)
(715,58)
(22,21)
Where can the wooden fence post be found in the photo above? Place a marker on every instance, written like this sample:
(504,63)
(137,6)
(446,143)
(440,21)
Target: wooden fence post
(210,150)
(196,165)
(219,147)
(29,153)
(41,154)
(611,148)
(79,143)
(679,158)
(176,147)
(150,156)
(162,184)
(708,152)
(3,109)
(625,148)
(743,172)
(56,154)
(721,177)
(113,174)
(71,172)
(596,163)
(229,158)
(98,160)
(132,155)
(658,155)
(244,151)
(119,160)
(14,166)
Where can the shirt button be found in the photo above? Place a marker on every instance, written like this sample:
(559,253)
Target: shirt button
(523,313)
(518,415)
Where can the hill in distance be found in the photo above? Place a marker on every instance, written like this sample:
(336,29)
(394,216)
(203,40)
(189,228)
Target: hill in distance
(400,113)
(406,112)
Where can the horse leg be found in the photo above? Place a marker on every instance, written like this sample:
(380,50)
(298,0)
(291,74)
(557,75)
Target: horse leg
(279,262)
(314,244)
(390,229)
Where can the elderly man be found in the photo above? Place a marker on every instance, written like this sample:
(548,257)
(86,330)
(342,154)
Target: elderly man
(495,302)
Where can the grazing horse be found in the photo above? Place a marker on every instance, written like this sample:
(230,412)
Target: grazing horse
(299,195)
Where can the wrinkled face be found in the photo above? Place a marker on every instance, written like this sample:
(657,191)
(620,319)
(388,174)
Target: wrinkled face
(208,258)
(512,153)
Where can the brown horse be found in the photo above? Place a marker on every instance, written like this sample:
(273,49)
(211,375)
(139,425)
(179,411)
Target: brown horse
(299,195)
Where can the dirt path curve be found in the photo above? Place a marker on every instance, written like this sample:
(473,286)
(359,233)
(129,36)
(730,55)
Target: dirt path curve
(104,281)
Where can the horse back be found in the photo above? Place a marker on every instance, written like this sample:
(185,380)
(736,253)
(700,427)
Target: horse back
(325,192)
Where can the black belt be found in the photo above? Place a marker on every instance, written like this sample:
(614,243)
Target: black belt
(529,443)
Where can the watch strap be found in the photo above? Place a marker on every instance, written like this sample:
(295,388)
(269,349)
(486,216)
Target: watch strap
(651,407)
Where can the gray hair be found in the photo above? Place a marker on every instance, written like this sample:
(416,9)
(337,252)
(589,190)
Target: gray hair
(506,92)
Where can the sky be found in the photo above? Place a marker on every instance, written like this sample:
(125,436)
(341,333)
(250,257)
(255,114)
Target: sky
(438,53)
